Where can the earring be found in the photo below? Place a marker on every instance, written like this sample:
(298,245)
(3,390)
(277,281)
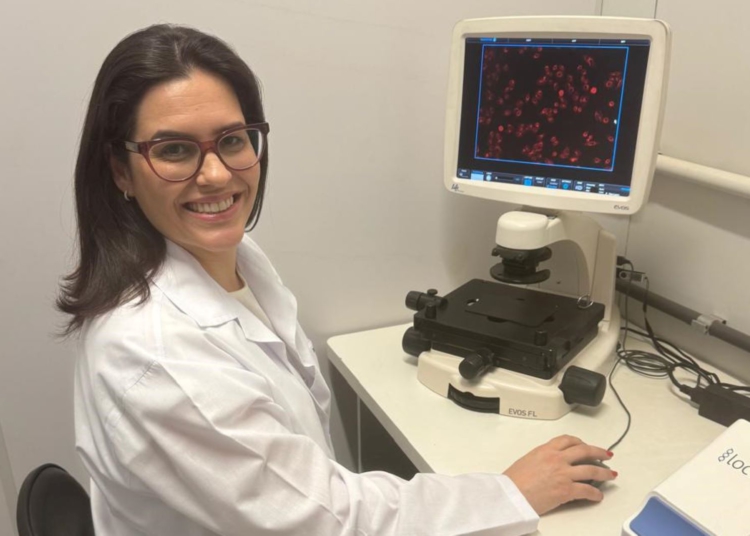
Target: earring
(125,194)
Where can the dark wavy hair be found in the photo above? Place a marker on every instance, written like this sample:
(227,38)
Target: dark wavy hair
(119,249)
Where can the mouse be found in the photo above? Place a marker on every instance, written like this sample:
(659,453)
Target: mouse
(598,463)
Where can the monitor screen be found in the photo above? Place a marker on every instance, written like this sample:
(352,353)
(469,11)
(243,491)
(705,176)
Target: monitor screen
(555,113)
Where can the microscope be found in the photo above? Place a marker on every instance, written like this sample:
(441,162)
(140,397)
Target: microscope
(560,115)
(516,340)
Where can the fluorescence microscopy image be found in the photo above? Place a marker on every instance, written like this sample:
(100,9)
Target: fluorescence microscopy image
(555,105)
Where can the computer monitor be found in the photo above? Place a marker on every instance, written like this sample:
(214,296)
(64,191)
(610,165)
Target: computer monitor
(556,112)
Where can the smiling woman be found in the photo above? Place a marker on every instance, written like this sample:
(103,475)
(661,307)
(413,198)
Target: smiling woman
(200,406)
(200,199)
(120,246)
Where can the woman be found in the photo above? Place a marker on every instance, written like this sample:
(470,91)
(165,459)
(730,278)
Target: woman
(200,407)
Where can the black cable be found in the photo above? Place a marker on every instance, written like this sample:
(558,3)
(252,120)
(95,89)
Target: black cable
(617,395)
(668,359)
(621,348)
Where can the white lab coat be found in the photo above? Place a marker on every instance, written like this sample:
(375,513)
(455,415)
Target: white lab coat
(193,418)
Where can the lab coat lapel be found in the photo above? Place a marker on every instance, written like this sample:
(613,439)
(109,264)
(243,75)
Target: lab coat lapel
(186,284)
(184,281)
(277,301)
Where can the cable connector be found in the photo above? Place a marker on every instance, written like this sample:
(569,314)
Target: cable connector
(719,404)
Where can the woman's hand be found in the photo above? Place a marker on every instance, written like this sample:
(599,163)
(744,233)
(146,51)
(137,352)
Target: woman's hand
(548,475)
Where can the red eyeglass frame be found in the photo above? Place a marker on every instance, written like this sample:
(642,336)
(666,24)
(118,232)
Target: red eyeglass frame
(143,148)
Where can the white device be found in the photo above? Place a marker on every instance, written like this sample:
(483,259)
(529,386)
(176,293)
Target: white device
(593,253)
(705,497)
(636,48)
(561,115)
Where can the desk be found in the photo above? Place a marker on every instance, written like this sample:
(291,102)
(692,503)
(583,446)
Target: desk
(438,436)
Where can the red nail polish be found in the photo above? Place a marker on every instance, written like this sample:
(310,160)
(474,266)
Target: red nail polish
(615,473)
(610,453)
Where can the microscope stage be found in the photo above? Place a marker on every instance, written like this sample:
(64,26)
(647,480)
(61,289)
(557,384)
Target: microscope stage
(520,329)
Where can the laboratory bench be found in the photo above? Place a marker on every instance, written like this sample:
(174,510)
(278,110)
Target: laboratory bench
(439,436)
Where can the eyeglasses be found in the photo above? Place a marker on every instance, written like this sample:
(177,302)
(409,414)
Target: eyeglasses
(180,159)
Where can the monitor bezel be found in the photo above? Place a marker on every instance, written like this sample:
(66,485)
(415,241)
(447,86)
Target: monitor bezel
(649,125)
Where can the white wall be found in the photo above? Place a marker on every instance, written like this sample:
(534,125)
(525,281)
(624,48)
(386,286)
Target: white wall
(356,213)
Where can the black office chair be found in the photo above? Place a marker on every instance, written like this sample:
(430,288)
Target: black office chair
(53,503)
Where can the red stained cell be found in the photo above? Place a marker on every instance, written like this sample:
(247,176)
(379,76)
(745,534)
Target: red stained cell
(585,133)
(609,84)
(605,120)
(594,90)
(536,55)
(554,153)
(611,104)
(610,139)
(500,128)
(597,160)
(518,114)
(559,74)
(573,160)
(585,87)
(608,161)
(506,113)
(561,93)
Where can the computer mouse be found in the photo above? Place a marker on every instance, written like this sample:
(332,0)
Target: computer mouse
(598,463)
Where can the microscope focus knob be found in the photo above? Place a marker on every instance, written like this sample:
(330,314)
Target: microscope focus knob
(475,364)
(414,343)
(582,386)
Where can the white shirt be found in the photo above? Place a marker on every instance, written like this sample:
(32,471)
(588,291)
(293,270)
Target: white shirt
(191,422)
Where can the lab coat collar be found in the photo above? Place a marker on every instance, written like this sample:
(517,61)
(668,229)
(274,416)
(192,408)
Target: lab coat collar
(186,284)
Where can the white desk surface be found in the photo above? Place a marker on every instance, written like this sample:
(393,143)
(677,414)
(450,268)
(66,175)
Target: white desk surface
(438,436)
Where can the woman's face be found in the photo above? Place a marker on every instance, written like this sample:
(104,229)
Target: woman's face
(198,107)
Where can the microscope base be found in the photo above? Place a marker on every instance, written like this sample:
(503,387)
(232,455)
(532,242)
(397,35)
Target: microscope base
(512,393)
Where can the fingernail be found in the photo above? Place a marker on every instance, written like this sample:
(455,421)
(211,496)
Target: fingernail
(610,453)
(615,473)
